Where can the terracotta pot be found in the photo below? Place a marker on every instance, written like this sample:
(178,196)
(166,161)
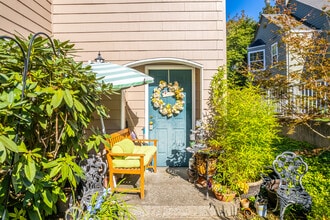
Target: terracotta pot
(225,197)
(245,203)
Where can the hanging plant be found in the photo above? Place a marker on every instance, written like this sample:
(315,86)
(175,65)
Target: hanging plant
(165,89)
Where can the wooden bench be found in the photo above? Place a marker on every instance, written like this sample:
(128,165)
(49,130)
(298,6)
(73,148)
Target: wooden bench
(126,157)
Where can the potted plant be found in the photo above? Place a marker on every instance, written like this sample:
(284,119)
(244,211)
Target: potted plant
(222,192)
(244,126)
(261,207)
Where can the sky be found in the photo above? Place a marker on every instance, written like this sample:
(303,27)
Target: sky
(251,7)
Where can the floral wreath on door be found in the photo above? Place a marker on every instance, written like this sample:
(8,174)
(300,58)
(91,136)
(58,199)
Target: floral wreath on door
(165,89)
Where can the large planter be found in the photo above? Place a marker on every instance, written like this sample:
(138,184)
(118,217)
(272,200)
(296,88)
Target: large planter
(61,206)
(254,189)
(271,189)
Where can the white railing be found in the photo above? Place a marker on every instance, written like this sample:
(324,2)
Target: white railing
(299,99)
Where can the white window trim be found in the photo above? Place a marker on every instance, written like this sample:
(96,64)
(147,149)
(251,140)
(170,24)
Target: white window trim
(264,60)
(272,55)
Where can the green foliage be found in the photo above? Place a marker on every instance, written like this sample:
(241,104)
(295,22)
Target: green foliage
(240,33)
(106,206)
(244,126)
(114,208)
(316,180)
(42,129)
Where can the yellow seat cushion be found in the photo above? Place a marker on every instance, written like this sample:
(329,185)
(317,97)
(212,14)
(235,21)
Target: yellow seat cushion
(134,161)
(126,163)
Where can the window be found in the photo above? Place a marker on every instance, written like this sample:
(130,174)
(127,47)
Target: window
(274,51)
(256,60)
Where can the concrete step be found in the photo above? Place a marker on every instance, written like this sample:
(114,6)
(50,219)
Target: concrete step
(213,211)
(173,212)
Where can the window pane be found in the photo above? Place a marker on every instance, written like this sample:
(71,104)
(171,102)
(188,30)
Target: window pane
(257,56)
(258,65)
(257,60)
(274,51)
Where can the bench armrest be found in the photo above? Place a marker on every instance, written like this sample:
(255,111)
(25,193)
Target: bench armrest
(141,141)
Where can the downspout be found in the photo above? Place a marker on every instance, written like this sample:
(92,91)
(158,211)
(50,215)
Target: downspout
(122,109)
(201,93)
(146,112)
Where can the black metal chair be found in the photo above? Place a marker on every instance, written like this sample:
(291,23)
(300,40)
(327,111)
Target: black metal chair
(94,169)
(291,168)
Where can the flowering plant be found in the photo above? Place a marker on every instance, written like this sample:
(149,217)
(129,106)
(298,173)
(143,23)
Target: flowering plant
(219,188)
(165,89)
(102,206)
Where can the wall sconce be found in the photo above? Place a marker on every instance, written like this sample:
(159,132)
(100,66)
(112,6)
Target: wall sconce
(99,58)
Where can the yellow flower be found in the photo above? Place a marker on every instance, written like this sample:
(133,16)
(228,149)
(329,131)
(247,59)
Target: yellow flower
(168,109)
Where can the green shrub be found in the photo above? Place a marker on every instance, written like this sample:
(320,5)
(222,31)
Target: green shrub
(243,125)
(316,183)
(42,129)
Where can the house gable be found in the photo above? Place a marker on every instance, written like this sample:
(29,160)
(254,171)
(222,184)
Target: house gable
(311,12)
(265,37)
(308,14)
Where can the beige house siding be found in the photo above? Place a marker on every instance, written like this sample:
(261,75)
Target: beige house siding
(133,30)
(25,17)
(129,31)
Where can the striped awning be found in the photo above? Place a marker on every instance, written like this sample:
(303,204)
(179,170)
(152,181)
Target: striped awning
(120,77)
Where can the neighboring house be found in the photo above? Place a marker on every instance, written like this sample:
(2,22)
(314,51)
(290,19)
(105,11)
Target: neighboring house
(174,40)
(269,53)
(267,49)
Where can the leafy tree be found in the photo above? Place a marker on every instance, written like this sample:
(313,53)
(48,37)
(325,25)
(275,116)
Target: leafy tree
(269,9)
(303,92)
(42,124)
(240,33)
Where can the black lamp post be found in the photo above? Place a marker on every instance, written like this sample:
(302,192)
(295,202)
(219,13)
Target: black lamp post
(99,58)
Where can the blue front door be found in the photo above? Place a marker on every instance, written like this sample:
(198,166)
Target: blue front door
(172,131)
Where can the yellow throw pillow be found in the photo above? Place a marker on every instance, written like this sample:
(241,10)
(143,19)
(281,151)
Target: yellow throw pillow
(117,150)
(127,145)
